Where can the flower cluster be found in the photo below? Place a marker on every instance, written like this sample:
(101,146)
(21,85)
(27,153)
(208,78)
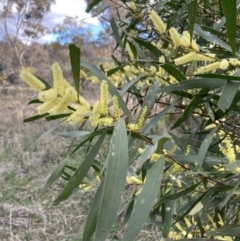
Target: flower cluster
(64,99)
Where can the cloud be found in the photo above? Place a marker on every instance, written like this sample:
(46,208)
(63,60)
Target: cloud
(70,8)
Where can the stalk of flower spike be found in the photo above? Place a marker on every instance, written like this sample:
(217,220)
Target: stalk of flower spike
(177,41)
(185,58)
(157,21)
(32,81)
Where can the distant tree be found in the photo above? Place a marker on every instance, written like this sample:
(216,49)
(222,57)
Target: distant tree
(22,19)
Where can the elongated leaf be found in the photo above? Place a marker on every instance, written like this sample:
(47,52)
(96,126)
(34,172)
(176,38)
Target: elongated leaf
(150,99)
(229,195)
(174,72)
(130,84)
(205,145)
(36,117)
(211,38)
(209,109)
(55,175)
(148,152)
(81,172)
(56,117)
(235,76)
(145,200)
(91,221)
(92,4)
(187,112)
(113,91)
(74,133)
(195,83)
(158,117)
(226,232)
(117,164)
(168,218)
(35,101)
(75,55)
(192,13)
(176,195)
(230,11)
(115,32)
(227,96)
(153,49)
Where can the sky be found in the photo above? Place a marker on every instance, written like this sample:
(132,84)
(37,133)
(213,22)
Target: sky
(70,8)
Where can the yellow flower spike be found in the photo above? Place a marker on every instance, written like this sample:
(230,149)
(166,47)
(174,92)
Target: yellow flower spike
(133,127)
(234,61)
(227,148)
(94,119)
(179,183)
(187,43)
(116,107)
(132,6)
(220,219)
(138,192)
(187,222)
(209,127)
(142,118)
(47,106)
(224,64)
(140,150)
(208,68)
(104,98)
(172,80)
(93,79)
(205,57)
(188,150)
(64,102)
(177,41)
(190,235)
(47,95)
(59,82)
(78,116)
(32,81)
(135,180)
(155,157)
(161,71)
(153,70)
(86,187)
(129,50)
(185,58)
(157,21)
(106,121)
(83,74)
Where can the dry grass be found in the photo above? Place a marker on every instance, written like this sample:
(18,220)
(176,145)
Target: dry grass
(26,213)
